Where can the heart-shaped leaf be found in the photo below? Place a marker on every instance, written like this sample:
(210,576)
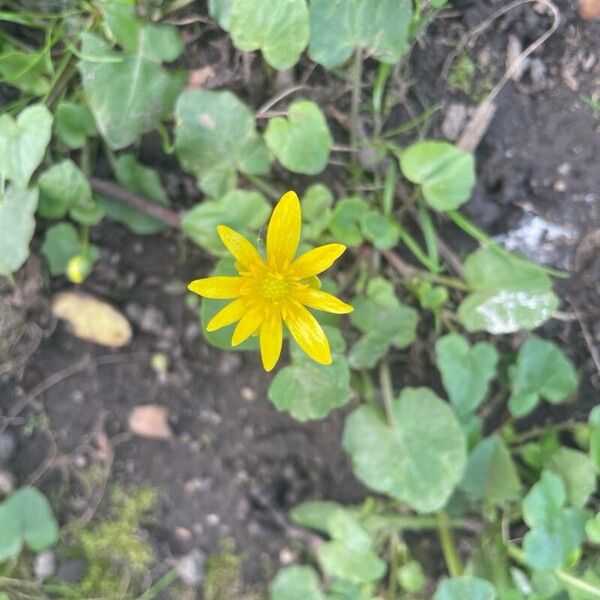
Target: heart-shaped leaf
(301,142)
(418,459)
(143,180)
(541,371)
(383,320)
(17,224)
(241,210)
(129,92)
(445,173)
(23,143)
(308,390)
(346,220)
(279,29)
(316,211)
(215,137)
(507,293)
(576,469)
(61,243)
(491,476)
(337,27)
(382,231)
(466,370)
(556,532)
(63,187)
(465,588)
(74,124)
(296,583)
(349,555)
(26,518)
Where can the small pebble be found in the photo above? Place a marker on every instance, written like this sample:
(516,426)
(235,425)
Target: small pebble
(191,567)
(8,443)
(7,482)
(230,363)
(44,565)
(213,519)
(248,394)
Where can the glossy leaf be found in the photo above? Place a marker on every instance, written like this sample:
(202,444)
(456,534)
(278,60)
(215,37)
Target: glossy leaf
(338,27)
(279,29)
(216,137)
(308,390)
(491,476)
(26,518)
(129,92)
(465,588)
(466,370)
(23,143)
(541,371)
(384,322)
(17,224)
(241,210)
(417,459)
(302,141)
(296,583)
(507,293)
(346,220)
(445,173)
(61,243)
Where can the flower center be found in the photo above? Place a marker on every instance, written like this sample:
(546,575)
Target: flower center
(274,287)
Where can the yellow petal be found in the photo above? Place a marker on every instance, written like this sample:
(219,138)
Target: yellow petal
(244,252)
(271,338)
(316,260)
(307,332)
(233,312)
(220,288)
(321,301)
(248,325)
(283,233)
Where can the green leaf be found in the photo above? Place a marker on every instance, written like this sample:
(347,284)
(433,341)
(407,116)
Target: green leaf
(63,187)
(346,218)
(209,308)
(507,293)
(301,142)
(17,224)
(349,555)
(140,179)
(241,210)
(411,577)
(296,583)
(308,390)
(383,320)
(26,518)
(445,172)
(466,370)
(594,421)
(316,211)
(61,243)
(337,27)
(382,231)
(23,143)
(314,514)
(279,29)
(465,588)
(418,459)
(576,469)
(215,137)
(556,532)
(220,10)
(130,92)
(491,476)
(25,71)
(541,371)
(74,124)
(592,529)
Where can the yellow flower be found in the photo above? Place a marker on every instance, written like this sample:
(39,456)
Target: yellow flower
(277,290)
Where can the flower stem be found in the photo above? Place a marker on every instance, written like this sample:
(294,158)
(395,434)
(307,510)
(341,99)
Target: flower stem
(451,556)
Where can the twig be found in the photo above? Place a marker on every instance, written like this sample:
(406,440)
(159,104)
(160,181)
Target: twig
(278,98)
(355,103)
(587,336)
(162,213)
